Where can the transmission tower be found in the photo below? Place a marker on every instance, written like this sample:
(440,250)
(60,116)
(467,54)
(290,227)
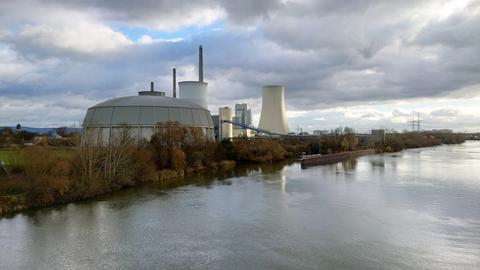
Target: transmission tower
(415,123)
(418,122)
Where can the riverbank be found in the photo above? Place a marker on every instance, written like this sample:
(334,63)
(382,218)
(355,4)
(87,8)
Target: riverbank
(395,142)
(44,176)
(19,196)
(12,204)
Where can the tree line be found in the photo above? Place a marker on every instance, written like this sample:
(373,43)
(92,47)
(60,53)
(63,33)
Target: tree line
(48,174)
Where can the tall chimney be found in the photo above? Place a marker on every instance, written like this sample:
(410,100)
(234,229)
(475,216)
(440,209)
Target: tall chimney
(200,64)
(151,86)
(174,83)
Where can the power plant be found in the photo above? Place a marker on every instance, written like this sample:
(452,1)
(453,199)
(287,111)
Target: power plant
(150,111)
(273,119)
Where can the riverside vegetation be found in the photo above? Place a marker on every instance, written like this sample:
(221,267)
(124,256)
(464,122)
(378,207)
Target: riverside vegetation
(45,175)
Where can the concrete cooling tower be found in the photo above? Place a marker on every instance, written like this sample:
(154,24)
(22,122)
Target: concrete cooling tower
(273,117)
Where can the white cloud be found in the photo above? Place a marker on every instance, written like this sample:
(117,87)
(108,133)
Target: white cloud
(80,36)
(175,20)
(145,39)
(52,110)
(11,67)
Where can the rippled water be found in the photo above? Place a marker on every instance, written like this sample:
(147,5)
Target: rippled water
(418,209)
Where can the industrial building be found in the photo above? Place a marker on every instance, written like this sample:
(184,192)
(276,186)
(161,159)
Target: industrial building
(378,136)
(319,132)
(243,114)
(273,116)
(273,119)
(242,120)
(148,112)
(225,129)
(195,91)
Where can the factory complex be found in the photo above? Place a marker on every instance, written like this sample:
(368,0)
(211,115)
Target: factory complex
(273,119)
(150,111)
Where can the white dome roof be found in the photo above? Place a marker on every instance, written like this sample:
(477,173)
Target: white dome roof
(148,101)
(147,111)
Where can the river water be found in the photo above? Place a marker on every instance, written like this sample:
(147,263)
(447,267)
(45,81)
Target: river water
(417,209)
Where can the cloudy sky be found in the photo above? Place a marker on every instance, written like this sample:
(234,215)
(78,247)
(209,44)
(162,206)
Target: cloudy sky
(365,64)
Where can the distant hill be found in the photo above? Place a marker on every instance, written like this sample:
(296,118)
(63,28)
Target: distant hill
(45,130)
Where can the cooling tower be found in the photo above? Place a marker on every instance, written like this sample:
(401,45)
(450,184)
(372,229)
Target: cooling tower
(273,117)
(226,129)
(194,91)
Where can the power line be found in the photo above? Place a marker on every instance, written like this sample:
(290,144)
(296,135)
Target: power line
(415,124)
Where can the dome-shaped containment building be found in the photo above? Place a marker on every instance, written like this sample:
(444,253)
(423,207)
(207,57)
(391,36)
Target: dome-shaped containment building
(144,115)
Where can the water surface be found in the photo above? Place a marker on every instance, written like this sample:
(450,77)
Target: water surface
(418,209)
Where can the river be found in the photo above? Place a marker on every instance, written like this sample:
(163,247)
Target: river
(417,209)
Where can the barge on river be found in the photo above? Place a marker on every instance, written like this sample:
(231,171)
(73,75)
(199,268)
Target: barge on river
(319,159)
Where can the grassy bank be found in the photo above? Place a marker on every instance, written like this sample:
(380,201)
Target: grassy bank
(11,155)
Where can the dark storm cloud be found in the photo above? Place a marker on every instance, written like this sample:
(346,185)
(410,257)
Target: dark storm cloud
(158,13)
(247,10)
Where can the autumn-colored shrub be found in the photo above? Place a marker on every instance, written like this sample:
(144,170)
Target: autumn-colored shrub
(226,164)
(169,174)
(177,159)
(13,185)
(258,151)
(143,164)
(48,176)
(198,165)
(59,178)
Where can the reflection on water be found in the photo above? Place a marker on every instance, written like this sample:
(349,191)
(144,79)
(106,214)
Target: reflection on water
(417,209)
(349,165)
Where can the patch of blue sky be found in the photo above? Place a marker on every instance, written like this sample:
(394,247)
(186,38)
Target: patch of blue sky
(135,33)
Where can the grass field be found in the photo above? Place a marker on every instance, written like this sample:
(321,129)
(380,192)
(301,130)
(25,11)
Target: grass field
(11,156)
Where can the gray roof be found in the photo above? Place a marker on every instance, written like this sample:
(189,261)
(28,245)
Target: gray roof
(146,101)
(147,111)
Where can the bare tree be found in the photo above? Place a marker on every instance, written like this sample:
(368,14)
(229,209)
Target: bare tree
(116,153)
(89,153)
